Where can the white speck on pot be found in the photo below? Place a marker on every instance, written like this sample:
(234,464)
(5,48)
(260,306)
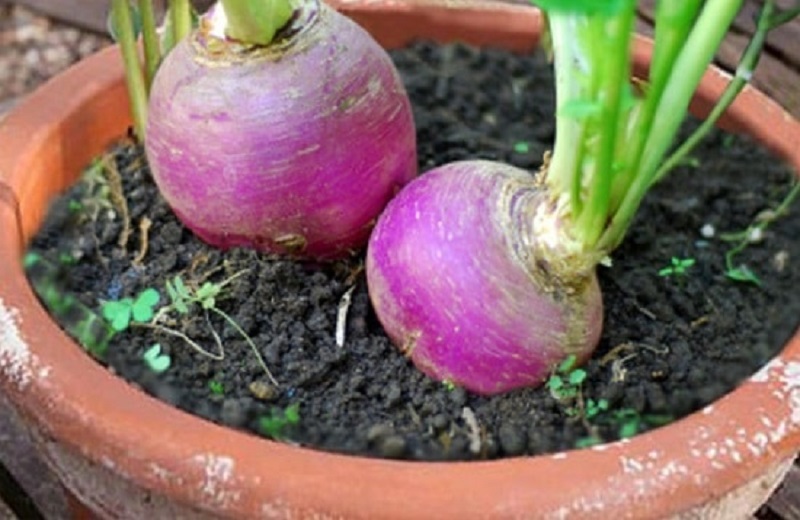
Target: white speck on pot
(631,466)
(219,473)
(672,468)
(762,376)
(708,409)
(16,359)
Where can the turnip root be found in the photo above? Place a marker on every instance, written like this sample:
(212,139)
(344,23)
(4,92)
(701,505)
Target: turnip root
(463,279)
(292,147)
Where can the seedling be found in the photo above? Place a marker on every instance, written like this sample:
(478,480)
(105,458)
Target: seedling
(275,424)
(565,383)
(156,360)
(448,385)
(678,267)
(216,387)
(121,313)
(595,408)
(753,233)
(630,422)
(521,147)
(184,299)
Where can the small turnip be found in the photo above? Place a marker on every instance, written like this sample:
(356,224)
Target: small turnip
(292,146)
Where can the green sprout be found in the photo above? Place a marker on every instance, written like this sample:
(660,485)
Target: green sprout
(216,387)
(121,313)
(185,299)
(629,422)
(677,267)
(565,382)
(595,408)
(521,147)
(156,360)
(448,385)
(276,423)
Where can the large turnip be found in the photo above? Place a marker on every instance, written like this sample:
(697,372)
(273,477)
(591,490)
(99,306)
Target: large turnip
(484,275)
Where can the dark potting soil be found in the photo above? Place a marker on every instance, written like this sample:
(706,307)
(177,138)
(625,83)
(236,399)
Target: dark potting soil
(671,344)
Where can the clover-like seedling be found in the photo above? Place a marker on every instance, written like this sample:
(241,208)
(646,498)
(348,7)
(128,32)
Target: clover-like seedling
(183,298)
(677,267)
(216,387)
(156,360)
(274,425)
(595,408)
(564,384)
(120,313)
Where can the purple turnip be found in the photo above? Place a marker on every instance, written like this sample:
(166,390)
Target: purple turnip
(465,288)
(293,146)
(483,274)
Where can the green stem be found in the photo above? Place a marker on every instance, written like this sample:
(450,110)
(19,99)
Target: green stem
(121,15)
(571,56)
(181,13)
(689,67)
(673,23)
(744,71)
(610,97)
(256,21)
(152,50)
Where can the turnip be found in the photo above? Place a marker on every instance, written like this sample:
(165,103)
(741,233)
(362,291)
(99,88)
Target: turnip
(279,126)
(484,274)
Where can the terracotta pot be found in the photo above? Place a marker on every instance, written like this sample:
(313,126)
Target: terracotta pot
(128,455)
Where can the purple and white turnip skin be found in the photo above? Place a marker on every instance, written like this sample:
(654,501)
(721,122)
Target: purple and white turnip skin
(291,148)
(465,277)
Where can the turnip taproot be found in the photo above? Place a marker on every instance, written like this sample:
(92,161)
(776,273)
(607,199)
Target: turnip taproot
(484,274)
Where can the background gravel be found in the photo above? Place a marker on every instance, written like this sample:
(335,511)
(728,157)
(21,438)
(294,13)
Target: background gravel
(34,48)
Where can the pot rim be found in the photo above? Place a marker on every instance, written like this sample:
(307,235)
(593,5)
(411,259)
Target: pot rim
(77,402)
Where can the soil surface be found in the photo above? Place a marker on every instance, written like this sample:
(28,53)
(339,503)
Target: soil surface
(671,344)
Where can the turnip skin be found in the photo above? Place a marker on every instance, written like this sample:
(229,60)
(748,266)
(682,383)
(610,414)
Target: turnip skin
(457,281)
(294,148)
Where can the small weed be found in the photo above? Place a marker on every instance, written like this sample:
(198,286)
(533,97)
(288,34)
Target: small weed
(121,313)
(75,206)
(588,442)
(275,424)
(184,298)
(629,422)
(156,360)
(521,147)
(565,383)
(448,385)
(66,259)
(595,408)
(754,233)
(678,267)
(216,387)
